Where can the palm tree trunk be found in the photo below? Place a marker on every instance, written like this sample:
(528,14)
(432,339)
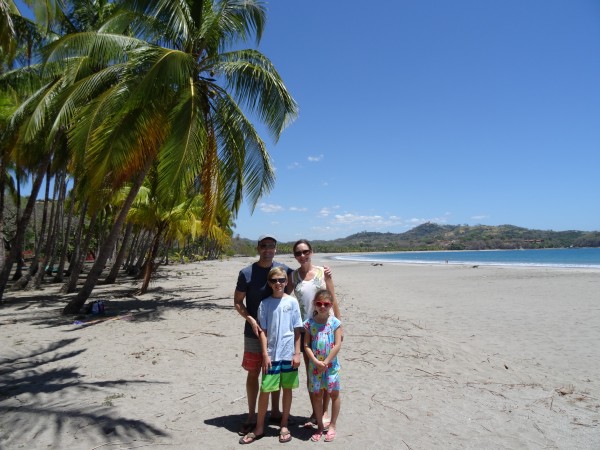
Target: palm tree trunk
(35,264)
(77,266)
(132,250)
(77,240)
(150,262)
(2,191)
(142,261)
(59,219)
(65,245)
(52,225)
(75,305)
(114,271)
(19,270)
(16,249)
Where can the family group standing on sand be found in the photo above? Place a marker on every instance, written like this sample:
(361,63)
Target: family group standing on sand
(279,328)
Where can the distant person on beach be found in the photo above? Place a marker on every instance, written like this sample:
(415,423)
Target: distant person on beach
(306,281)
(322,343)
(252,287)
(280,328)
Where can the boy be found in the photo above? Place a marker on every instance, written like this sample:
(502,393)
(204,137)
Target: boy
(280,325)
(251,288)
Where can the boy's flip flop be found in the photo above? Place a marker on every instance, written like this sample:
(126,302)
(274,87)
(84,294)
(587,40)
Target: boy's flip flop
(253,437)
(246,428)
(283,433)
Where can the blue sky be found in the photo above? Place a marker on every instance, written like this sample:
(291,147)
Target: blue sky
(454,112)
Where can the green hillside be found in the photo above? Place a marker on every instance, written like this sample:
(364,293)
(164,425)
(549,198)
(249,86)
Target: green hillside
(431,236)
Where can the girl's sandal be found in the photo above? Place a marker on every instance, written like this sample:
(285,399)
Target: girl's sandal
(330,436)
(317,436)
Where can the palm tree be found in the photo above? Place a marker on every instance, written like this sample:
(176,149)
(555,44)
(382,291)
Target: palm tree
(193,124)
(159,82)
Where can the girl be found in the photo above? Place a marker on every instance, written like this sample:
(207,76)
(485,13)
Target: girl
(322,342)
(306,281)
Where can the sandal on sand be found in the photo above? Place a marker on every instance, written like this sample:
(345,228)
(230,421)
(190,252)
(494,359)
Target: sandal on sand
(246,428)
(317,436)
(284,432)
(330,436)
(253,437)
(311,422)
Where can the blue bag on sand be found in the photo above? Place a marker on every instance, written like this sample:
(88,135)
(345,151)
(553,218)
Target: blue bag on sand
(98,307)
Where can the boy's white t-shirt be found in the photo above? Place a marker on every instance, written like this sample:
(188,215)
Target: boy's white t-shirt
(279,317)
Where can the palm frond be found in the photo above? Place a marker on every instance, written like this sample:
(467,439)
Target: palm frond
(257,85)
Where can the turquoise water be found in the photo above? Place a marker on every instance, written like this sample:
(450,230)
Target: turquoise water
(552,257)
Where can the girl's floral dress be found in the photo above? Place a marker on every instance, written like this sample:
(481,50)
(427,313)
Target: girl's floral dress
(322,341)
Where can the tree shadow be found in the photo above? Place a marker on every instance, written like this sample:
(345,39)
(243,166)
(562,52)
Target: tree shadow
(119,304)
(26,384)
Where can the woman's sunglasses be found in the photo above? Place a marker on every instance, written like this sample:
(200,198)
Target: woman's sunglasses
(278,280)
(301,253)
(323,304)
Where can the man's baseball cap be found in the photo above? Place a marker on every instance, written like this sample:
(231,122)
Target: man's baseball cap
(266,236)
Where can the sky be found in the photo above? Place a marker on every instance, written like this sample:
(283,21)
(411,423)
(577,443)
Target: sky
(413,111)
(453,112)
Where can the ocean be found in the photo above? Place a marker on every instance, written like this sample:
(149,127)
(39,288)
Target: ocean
(551,257)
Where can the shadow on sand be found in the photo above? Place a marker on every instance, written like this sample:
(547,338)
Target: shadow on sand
(26,382)
(233,424)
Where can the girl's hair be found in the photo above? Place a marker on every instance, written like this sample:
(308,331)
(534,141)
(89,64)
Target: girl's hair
(302,241)
(323,294)
(277,270)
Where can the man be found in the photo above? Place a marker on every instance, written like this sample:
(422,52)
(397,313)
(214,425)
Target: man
(252,287)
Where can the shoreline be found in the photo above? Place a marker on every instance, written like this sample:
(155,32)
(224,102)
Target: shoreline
(434,356)
(371,257)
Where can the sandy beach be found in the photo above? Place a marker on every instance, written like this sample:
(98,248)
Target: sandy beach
(434,356)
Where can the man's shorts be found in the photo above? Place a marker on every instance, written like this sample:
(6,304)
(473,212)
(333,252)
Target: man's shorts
(252,361)
(280,375)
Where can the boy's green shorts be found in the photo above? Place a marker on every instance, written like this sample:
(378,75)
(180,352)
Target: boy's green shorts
(280,375)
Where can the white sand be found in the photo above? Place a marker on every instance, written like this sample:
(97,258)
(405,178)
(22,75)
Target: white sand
(445,356)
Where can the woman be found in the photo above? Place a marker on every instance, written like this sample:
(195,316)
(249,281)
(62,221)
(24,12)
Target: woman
(307,280)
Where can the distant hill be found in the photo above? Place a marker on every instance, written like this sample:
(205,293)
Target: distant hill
(432,236)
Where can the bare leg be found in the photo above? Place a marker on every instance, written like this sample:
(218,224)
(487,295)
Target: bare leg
(335,412)
(286,406)
(275,411)
(310,395)
(263,404)
(325,407)
(318,405)
(252,394)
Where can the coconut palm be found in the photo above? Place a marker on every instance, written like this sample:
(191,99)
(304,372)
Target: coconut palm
(173,94)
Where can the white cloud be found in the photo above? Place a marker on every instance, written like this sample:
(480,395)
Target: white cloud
(298,209)
(480,217)
(375,221)
(326,211)
(270,208)
(416,221)
(294,165)
(316,158)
